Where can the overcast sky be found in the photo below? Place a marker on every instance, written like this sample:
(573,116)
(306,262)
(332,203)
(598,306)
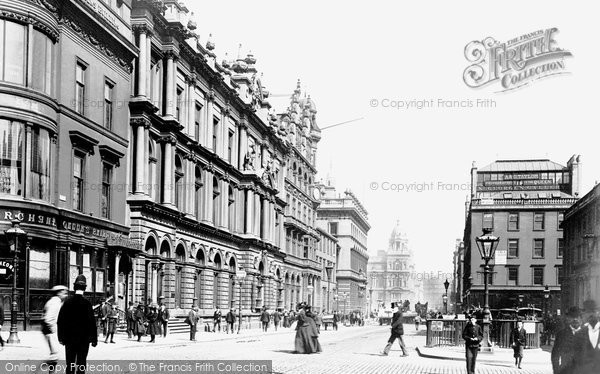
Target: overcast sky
(349,53)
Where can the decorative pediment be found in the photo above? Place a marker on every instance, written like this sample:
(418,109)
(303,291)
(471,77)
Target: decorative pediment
(110,155)
(82,141)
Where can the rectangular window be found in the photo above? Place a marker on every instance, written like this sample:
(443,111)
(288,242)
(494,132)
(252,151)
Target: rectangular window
(230,146)
(215,134)
(80,88)
(560,245)
(178,103)
(539,221)
(197,116)
(78,181)
(73,267)
(39,268)
(513,221)
(538,275)
(108,104)
(561,217)
(513,248)
(15,52)
(488,221)
(40,164)
(42,66)
(333,228)
(538,248)
(105,202)
(558,274)
(513,275)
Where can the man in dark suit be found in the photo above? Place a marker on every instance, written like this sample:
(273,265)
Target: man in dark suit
(265,318)
(77,328)
(519,340)
(472,334)
(587,341)
(163,315)
(230,320)
(563,351)
(105,310)
(397,332)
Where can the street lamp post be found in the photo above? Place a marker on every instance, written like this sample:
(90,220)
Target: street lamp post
(328,270)
(13,234)
(487,244)
(446,284)
(546,299)
(241,275)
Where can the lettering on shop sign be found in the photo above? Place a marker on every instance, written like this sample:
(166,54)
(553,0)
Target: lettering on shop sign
(102,11)
(26,217)
(6,270)
(515,63)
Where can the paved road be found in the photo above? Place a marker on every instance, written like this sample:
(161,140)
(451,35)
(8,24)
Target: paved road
(349,350)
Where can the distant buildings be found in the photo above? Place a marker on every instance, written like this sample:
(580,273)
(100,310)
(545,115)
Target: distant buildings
(433,291)
(344,217)
(581,255)
(524,202)
(391,273)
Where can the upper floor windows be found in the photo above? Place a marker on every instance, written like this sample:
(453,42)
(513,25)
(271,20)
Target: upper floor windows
(80,80)
(14,57)
(488,220)
(108,103)
(539,221)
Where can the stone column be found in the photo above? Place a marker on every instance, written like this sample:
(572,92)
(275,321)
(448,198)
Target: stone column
(168,186)
(148,62)
(141,158)
(210,98)
(225,205)
(170,83)
(265,219)
(249,211)
(243,144)
(257,215)
(191,105)
(142,61)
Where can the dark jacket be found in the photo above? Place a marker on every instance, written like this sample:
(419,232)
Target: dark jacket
(519,337)
(473,335)
(264,316)
(1,315)
(217,316)
(397,327)
(163,314)
(563,351)
(76,322)
(587,356)
(230,317)
(276,317)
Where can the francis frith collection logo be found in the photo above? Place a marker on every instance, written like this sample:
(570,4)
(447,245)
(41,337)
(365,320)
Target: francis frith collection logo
(514,63)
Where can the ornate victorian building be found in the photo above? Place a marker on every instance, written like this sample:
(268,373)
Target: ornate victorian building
(392,274)
(65,69)
(219,181)
(345,218)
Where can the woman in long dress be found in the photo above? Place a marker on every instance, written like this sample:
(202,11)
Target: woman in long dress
(307,335)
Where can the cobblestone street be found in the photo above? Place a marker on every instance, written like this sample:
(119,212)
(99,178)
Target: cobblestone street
(349,350)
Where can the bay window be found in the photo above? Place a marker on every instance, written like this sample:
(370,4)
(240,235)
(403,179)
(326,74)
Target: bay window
(12,136)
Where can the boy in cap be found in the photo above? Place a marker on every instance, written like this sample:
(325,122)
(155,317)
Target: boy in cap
(77,326)
(49,324)
(473,335)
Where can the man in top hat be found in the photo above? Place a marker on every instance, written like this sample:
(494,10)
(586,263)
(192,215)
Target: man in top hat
(587,341)
(563,351)
(49,323)
(163,315)
(77,327)
(397,332)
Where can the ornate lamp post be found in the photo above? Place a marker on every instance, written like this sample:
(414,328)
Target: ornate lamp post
(487,244)
(329,271)
(546,299)
(12,235)
(446,284)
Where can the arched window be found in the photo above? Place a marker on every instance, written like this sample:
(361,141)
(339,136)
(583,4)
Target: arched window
(231,209)
(179,262)
(217,262)
(231,292)
(198,192)
(199,274)
(216,206)
(179,178)
(165,251)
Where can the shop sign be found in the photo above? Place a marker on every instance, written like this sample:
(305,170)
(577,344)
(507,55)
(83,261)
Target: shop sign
(6,270)
(31,217)
(123,241)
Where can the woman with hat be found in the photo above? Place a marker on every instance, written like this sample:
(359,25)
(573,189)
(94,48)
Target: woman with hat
(153,322)
(307,340)
(519,339)
(139,319)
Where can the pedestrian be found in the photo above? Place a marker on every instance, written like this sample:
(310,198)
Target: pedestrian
(111,326)
(163,315)
(49,324)
(265,319)
(192,320)
(319,321)
(105,309)
(417,322)
(230,320)
(336,319)
(286,319)
(307,337)
(519,340)
(153,328)
(397,333)
(587,341)
(563,351)
(472,335)
(129,319)
(139,318)
(217,319)
(77,327)
(276,319)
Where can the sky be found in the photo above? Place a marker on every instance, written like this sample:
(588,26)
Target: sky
(357,58)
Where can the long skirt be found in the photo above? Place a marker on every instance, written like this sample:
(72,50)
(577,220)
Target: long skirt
(306,341)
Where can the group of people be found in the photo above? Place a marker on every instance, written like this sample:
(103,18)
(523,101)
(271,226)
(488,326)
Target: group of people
(150,319)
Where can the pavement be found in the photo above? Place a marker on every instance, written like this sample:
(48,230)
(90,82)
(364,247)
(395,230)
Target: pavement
(348,350)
